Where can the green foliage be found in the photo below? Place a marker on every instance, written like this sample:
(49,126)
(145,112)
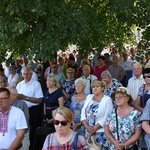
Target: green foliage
(42,27)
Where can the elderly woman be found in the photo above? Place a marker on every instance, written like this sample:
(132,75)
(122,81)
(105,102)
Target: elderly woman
(144,91)
(53,97)
(123,127)
(64,137)
(94,112)
(142,98)
(77,102)
(111,84)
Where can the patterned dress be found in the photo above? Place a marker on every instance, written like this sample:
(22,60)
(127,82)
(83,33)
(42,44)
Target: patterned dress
(114,86)
(91,115)
(127,125)
(76,108)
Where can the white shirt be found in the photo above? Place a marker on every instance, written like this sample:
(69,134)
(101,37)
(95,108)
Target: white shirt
(105,107)
(88,83)
(31,89)
(16,121)
(134,84)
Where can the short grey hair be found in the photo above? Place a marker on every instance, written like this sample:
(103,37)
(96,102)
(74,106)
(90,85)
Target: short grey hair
(136,64)
(106,73)
(80,81)
(26,68)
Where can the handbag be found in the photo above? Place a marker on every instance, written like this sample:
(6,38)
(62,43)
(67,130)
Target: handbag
(92,143)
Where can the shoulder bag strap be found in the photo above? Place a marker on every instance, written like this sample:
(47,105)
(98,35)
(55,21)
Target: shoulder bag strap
(50,140)
(143,102)
(75,144)
(90,84)
(117,124)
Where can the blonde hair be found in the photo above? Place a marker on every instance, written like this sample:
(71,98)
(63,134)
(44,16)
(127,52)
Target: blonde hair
(65,112)
(54,78)
(70,69)
(98,82)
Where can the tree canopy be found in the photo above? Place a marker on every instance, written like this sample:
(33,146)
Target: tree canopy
(42,27)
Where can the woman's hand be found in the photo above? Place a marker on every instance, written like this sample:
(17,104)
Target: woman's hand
(119,145)
(90,130)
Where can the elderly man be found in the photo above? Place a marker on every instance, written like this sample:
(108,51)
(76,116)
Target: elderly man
(136,81)
(116,70)
(30,91)
(12,123)
(89,78)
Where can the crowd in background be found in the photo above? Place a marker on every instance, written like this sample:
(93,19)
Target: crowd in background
(97,88)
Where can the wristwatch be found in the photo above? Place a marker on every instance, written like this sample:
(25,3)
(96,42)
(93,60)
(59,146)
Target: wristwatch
(27,98)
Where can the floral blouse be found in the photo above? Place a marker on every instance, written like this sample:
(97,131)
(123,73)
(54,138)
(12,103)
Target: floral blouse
(126,125)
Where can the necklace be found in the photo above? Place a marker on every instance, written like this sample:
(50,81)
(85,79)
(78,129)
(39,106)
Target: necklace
(97,98)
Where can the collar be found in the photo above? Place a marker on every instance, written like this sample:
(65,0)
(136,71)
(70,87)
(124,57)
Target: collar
(141,77)
(88,78)
(28,82)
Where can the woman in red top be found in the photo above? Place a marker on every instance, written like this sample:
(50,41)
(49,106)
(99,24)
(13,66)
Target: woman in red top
(101,67)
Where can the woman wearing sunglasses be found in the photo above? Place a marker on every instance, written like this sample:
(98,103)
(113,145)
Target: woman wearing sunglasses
(122,126)
(94,112)
(142,98)
(144,91)
(64,137)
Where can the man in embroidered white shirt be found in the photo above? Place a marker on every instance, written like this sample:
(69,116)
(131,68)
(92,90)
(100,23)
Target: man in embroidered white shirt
(12,123)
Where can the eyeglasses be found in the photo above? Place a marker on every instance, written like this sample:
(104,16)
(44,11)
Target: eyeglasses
(63,123)
(120,97)
(4,98)
(148,76)
(69,72)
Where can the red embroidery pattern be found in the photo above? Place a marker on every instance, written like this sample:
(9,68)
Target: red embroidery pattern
(4,122)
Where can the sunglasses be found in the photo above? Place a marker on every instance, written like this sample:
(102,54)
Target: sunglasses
(148,76)
(121,90)
(63,123)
